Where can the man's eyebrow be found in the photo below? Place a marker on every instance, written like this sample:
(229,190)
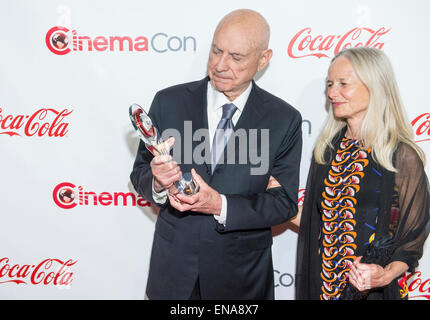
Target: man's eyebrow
(236,54)
(214,46)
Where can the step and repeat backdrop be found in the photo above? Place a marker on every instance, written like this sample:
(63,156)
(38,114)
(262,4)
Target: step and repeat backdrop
(72,226)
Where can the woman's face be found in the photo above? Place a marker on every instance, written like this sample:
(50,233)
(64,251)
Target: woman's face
(348,95)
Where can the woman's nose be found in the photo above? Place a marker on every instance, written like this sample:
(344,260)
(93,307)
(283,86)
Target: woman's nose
(332,93)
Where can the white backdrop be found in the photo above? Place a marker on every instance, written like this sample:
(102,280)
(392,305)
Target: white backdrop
(64,123)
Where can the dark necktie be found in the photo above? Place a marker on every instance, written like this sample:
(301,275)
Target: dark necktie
(222,133)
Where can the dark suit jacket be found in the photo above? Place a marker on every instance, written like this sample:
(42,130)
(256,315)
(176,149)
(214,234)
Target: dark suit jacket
(235,261)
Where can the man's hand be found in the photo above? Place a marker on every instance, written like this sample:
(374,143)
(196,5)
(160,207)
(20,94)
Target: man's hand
(273,183)
(207,200)
(164,169)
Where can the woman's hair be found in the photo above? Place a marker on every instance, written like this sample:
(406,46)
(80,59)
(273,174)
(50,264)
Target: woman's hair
(385,124)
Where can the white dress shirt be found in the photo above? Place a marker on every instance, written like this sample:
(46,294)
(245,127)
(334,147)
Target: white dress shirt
(215,101)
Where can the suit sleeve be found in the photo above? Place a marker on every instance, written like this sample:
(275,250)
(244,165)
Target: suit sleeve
(276,205)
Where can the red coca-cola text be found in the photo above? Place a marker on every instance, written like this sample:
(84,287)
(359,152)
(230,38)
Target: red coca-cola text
(421,127)
(304,44)
(417,286)
(45,121)
(49,271)
(301,196)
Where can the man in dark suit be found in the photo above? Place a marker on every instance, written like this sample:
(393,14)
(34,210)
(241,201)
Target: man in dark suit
(216,244)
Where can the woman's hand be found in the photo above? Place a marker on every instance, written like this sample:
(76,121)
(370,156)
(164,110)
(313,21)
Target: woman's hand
(364,276)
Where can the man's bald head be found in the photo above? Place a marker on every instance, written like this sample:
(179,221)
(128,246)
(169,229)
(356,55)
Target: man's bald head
(249,20)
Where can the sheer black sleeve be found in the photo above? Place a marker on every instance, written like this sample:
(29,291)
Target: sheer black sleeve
(413,221)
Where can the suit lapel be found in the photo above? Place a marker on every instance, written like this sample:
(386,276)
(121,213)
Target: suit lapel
(252,112)
(198,92)
(199,115)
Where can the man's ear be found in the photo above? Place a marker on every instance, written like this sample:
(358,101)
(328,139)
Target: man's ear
(265,57)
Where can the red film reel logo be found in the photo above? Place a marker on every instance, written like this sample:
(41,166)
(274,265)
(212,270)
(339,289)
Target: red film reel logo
(64,195)
(57,40)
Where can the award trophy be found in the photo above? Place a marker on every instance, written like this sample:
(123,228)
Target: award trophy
(149,134)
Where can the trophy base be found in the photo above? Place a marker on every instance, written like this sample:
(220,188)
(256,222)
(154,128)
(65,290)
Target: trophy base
(186,185)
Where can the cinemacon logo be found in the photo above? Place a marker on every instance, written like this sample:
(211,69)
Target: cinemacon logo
(67,196)
(61,41)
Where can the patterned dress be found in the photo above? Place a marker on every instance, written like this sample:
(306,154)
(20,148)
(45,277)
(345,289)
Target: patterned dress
(346,226)
(352,201)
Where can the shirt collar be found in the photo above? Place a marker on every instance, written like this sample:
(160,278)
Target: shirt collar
(219,99)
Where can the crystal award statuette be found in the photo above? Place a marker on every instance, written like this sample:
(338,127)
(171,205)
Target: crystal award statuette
(149,134)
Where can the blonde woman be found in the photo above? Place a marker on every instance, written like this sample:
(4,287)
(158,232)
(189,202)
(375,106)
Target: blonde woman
(366,184)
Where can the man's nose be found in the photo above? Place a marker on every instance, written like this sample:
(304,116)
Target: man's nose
(222,64)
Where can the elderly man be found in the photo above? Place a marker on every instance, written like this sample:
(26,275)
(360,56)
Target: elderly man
(216,244)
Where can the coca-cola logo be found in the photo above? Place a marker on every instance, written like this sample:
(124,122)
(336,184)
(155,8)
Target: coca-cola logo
(66,195)
(421,127)
(60,40)
(43,122)
(301,196)
(306,44)
(418,287)
(48,272)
